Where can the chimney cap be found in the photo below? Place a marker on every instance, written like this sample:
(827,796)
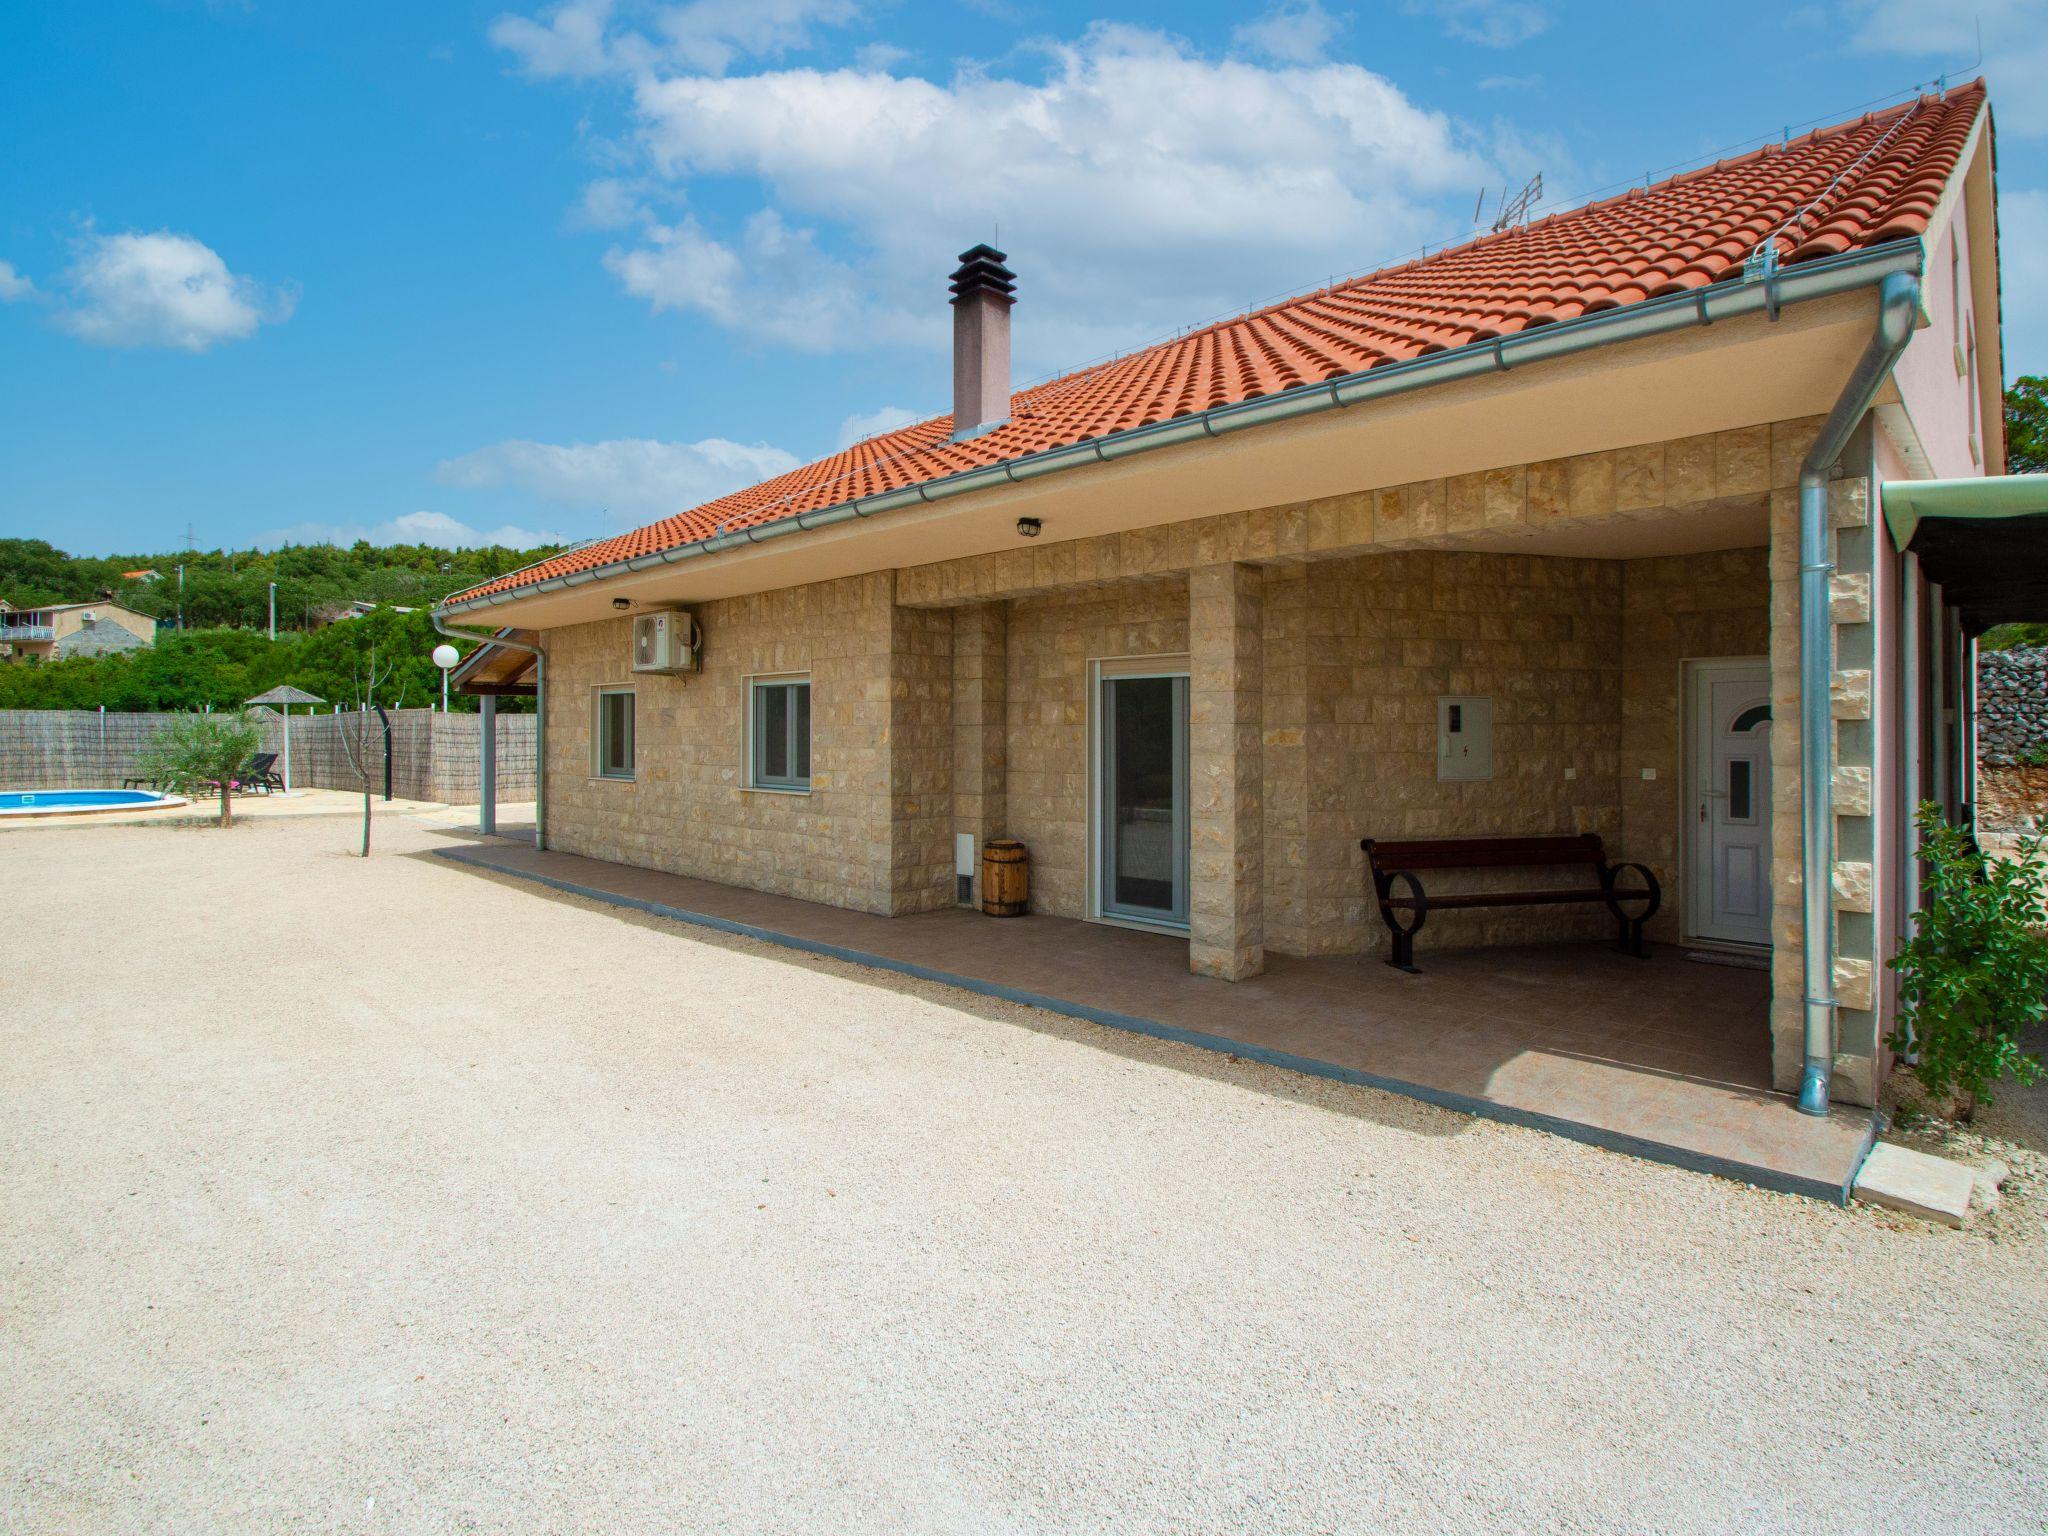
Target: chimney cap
(982,271)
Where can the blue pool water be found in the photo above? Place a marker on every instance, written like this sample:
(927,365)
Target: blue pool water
(76,799)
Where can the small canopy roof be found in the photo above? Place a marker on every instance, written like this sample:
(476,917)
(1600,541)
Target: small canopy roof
(498,669)
(285,693)
(1985,540)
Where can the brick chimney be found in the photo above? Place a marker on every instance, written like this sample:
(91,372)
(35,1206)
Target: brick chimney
(983,291)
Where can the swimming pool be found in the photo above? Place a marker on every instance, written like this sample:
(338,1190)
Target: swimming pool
(73,802)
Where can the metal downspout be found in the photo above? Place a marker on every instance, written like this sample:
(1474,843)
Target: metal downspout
(1898,304)
(540,716)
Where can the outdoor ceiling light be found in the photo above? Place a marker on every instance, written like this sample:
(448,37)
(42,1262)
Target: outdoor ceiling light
(1027,527)
(622,603)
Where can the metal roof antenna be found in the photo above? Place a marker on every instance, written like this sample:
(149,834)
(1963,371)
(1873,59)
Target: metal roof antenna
(1515,210)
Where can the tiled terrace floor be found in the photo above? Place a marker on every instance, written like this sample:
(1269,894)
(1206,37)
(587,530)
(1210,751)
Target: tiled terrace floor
(1665,1057)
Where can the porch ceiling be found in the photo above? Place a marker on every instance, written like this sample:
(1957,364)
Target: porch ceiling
(1738,373)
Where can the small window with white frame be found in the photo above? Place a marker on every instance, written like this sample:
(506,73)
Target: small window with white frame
(613,732)
(779,733)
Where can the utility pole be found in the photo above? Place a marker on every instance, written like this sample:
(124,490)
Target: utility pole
(273,610)
(181,599)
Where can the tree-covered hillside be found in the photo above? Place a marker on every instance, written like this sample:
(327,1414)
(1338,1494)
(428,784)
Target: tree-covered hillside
(223,654)
(225,589)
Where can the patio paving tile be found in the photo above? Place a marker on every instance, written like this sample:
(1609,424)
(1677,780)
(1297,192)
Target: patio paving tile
(1663,1058)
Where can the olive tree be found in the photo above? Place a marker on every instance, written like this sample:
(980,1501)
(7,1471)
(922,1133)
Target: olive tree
(199,750)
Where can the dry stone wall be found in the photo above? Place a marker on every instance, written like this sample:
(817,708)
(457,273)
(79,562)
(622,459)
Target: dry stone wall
(2012,706)
(2012,739)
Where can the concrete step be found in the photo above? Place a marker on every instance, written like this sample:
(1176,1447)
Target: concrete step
(1918,1183)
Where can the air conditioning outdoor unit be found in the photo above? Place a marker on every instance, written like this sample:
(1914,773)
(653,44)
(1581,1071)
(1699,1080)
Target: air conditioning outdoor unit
(665,641)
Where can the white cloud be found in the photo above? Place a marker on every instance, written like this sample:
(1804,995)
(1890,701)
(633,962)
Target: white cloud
(774,282)
(710,34)
(14,285)
(633,478)
(880,58)
(575,41)
(607,203)
(569,44)
(1943,34)
(1143,186)
(872,423)
(1291,31)
(1490,23)
(163,290)
(436,528)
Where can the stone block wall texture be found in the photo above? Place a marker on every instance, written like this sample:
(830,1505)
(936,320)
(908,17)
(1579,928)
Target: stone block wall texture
(1850,763)
(1226,811)
(1384,637)
(880,720)
(921,748)
(2012,797)
(1051,641)
(1675,609)
(981,727)
(433,756)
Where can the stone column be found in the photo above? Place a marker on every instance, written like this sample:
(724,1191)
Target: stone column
(1226,898)
(980,735)
(920,751)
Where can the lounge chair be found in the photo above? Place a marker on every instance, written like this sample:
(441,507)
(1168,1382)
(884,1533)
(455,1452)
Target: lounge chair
(261,774)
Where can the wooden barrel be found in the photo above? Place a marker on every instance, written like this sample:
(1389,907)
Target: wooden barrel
(1005,878)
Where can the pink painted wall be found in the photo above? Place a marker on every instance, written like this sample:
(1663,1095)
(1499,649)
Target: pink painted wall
(1941,401)
(1888,785)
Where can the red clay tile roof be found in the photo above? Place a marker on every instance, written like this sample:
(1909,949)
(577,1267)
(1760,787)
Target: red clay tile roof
(1681,234)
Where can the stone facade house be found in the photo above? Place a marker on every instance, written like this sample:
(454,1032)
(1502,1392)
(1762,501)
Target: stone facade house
(1571,528)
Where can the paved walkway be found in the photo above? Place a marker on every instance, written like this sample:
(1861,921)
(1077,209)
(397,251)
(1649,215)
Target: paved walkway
(1664,1058)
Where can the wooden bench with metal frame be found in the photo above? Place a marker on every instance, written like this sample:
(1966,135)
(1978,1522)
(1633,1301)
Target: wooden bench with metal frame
(1405,860)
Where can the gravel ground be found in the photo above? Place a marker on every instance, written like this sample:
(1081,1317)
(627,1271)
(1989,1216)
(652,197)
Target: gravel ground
(609,1225)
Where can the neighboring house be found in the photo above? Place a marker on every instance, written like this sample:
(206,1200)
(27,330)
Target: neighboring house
(143,575)
(1193,622)
(55,631)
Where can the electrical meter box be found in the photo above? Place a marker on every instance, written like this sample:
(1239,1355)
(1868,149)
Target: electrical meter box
(1464,737)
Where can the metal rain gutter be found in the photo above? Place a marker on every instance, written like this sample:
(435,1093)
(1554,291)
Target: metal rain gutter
(1652,317)
(540,715)
(1897,310)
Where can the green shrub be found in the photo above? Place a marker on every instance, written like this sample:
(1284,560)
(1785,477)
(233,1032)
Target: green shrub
(1973,977)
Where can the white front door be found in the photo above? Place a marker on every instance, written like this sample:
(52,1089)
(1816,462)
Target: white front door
(1729,857)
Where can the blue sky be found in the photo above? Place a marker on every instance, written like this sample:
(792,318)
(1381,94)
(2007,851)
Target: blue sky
(286,269)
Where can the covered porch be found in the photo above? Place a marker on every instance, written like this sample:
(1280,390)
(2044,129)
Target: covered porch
(1667,1058)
